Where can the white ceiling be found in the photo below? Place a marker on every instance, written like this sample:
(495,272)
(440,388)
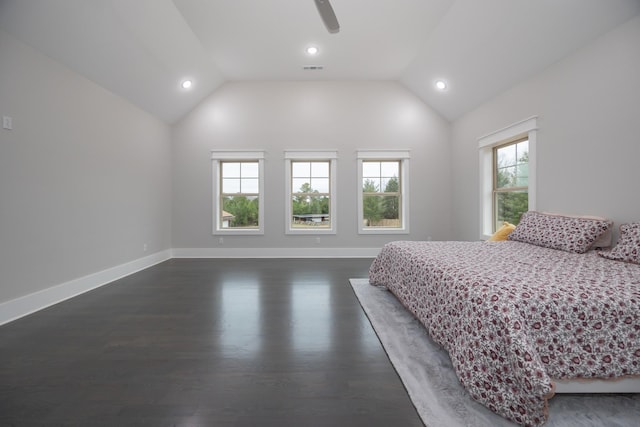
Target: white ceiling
(143,49)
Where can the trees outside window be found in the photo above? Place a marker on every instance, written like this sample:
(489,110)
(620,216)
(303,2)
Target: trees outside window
(381,193)
(371,204)
(382,177)
(311,192)
(239,195)
(511,178)
(311,196)
(238,192)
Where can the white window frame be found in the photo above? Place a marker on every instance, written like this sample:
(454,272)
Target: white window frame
(313,156)
(219,156)
(526,128)
(381,155)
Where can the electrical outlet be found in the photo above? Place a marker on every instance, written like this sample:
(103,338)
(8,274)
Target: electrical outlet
(7,122)
(221,240)
(144,248)
(317,240)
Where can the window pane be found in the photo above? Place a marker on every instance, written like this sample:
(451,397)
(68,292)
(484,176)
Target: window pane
(250,170)
(310,211)
(320,185)
(250,185)
(370,169)
(509,206)
(300,185)
(522,175)
(380,176)
(230,186)
(507,155)
(522,152)
(371,185)
(239,212)
(506,177)
(301,169)
(522,171)
(311,204)
(231,170)
(390,185)
(389,169)
(320,169)
(512,168)
(381,211)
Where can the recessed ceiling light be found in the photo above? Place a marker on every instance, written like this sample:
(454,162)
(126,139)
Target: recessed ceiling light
(441,85)
(312,50)
(186,84)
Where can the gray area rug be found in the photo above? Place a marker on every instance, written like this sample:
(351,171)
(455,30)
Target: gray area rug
(427,374)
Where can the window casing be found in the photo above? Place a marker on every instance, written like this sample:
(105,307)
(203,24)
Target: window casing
(383,192)
(311,192)
(507,172)
(238,186)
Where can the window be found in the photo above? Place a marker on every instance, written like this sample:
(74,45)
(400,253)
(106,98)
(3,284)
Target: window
(382,192)
(238,192)
(510,182)
(311,177)
(507,175)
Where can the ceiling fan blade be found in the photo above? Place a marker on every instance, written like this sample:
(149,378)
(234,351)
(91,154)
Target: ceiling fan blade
(328,16)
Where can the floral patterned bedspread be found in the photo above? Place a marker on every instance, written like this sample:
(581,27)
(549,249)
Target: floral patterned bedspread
(514,316)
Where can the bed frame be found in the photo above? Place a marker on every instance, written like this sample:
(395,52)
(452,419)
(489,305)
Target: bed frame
(624,385)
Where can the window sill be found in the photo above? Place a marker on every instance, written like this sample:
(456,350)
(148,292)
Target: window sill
(309,231)
(238,232)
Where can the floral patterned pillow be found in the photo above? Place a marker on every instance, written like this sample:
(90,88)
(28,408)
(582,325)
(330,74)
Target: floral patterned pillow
(571,234)
(628,247)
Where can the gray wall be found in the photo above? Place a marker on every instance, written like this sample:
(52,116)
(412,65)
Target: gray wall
(85,177)
(589,134)
(276,116)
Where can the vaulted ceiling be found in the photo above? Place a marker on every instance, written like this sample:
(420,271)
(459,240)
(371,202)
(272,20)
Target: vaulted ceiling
(143,49)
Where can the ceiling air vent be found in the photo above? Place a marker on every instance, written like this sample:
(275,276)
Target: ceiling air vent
(313,67)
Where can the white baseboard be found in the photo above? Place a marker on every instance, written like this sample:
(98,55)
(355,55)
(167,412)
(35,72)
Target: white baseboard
(22,306)
(275,252)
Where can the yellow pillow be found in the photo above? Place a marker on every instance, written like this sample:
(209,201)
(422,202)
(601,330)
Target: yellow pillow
(502,232)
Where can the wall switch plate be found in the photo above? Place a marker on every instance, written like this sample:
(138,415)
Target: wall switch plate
(7,122)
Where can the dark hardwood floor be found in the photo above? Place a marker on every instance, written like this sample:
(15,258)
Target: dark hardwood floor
(205,342)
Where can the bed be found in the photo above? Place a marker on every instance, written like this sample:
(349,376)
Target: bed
(518,317)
